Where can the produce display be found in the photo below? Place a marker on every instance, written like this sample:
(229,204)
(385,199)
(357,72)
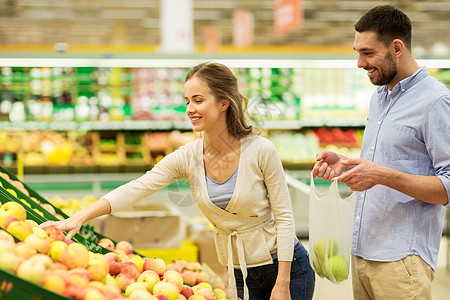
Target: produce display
(69,268)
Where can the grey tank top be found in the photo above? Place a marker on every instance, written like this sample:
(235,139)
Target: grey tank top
(220,193)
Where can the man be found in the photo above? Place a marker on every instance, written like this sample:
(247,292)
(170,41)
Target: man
(403,176)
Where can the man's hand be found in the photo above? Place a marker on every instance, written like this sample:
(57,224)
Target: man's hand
(328,165)
(363,174)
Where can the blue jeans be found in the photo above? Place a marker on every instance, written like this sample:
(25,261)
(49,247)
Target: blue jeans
(261,280)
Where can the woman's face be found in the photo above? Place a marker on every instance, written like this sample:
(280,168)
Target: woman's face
(204,111)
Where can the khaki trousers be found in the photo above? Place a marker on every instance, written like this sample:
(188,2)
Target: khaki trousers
(408,278)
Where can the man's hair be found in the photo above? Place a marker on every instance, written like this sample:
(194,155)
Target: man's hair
(388,22)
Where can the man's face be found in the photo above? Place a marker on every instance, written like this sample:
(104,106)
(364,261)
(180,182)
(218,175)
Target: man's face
(375,58)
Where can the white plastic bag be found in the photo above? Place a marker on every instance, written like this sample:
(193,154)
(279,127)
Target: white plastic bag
(330,232)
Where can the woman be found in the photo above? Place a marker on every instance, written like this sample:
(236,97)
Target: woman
(237,181)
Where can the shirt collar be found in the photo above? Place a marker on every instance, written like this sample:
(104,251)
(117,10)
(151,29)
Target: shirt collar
(406,83)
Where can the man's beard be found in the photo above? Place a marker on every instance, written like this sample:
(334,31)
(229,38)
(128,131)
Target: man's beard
(387,73)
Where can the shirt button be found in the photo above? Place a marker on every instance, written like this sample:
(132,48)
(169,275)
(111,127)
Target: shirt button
(379,122)
(357,218)
(373,147)
(362,195)
(403,90)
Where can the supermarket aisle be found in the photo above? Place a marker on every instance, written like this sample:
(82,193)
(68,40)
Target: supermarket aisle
(326,290)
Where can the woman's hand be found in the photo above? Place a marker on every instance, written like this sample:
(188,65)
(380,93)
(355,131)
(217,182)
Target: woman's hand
(281,290)
(71,225)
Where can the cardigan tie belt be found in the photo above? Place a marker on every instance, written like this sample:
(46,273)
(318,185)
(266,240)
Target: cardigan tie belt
(235,234)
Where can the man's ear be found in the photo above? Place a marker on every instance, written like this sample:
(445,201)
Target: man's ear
(398,47)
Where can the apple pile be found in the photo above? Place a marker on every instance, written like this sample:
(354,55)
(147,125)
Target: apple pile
(19,185)
(327,263)
(178,279)
(47,258)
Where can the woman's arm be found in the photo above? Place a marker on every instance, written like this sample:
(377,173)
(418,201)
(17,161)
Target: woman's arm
(281,288)
(73,224)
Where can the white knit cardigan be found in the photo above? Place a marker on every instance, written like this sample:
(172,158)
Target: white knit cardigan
(258,220)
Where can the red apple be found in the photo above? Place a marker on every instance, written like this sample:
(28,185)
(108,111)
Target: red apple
(125,246)
(202,276)
(124,280)
(106,243)
(182,263)
(82,272)
(207,293)
(187,291)
(189,277)
(155,264)
(114,262)
(174,266)
(131,269)
(54,234)
(48,208)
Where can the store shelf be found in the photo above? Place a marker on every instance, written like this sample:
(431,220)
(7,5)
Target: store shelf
(162,125)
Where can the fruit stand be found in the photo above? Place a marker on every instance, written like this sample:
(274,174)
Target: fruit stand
(41,263)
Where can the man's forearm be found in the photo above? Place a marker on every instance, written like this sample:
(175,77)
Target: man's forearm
(425,188)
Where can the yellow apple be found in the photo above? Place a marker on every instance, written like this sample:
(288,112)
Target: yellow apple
(31,270)
(134,287)
(6,236)
(75,256)
(24,250)
(9,261)
(41,245)
(149,279)
(168,289)
(175,277)
(97,267)
(15,209)
(56,249)
(138,261)
(54,282)
(20,229)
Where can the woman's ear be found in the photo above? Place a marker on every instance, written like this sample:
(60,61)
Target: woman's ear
(224,104)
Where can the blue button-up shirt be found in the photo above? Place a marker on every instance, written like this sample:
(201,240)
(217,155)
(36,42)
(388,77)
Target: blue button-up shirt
(407,130)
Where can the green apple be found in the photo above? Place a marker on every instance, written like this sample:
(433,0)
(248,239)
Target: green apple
(338,267)
(325,248)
